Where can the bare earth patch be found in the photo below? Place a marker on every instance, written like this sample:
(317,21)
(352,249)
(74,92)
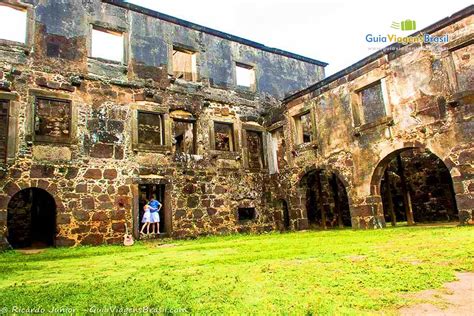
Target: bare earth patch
(457,298)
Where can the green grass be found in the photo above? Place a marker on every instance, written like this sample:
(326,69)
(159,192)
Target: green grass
(330,272)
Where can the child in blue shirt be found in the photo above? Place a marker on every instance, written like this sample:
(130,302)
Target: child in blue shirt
(155,208)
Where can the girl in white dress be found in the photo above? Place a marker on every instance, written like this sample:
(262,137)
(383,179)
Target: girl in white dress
(146,219)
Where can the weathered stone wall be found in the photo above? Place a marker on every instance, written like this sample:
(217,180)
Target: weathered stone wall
(95,176)
(428,100)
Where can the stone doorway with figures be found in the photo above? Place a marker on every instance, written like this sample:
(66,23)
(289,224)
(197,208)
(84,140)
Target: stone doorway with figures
(146,193)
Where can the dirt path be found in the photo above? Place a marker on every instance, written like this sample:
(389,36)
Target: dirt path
(457,298)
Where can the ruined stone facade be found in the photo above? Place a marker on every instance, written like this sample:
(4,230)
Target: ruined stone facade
(173,117)
(402,98)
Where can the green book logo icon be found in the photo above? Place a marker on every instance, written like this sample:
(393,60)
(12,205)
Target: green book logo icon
(407,25)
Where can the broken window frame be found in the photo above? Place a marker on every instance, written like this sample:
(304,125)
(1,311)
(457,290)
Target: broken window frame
(358,120)
(151,147)
(184,50)
(29,32)
(253,78)
(273,151)
(251,128)
(298,128)
(362,117)
(453,74)
(233,139)
(51,139)
(191,121)
(102,27)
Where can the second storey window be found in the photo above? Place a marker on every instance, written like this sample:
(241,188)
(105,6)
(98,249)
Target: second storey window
(13,23)
(304,133)
(183,133)
(373,106)
(224,136)
(462,58)
(245,75)
(106,44)
(52,120)
(184,64)
(150,129)
(3,130)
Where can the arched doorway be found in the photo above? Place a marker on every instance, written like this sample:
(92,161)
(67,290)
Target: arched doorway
(31,219)
(327,204)
(416,187)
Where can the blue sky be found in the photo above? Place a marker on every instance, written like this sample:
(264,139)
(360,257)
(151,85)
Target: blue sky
(330,31)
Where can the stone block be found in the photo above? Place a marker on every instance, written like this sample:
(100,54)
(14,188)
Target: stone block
(102,151)
(93,174)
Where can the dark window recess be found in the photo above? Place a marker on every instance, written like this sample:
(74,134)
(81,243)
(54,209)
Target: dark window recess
(306,127)
(303,128)
(183,133)
(150,129)
(52,50)
(373,106)
(3,130)
(223,135)
(52,120)
(255,150)
(246,213)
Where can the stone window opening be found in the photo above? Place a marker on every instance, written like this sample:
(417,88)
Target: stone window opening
(255,149)
(224,136)
(184,64)
(371,105)
(462,59)
(52,120)
(184,136)
(246,214)
(151,131)
(278,149)
(4,124)
(107,44)
(245,75)
(303,128)
(13,24)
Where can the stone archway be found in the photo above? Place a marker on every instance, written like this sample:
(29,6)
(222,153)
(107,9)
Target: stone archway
(413,184)
(31,219)
(326,199)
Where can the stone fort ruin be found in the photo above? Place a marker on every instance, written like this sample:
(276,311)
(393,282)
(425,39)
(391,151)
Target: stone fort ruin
(231,135)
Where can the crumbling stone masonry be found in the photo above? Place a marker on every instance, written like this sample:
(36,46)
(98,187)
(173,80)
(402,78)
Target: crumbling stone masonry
(196,117)
(413,100)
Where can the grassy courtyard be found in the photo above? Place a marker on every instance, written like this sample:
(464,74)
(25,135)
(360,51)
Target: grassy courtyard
(330,272)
